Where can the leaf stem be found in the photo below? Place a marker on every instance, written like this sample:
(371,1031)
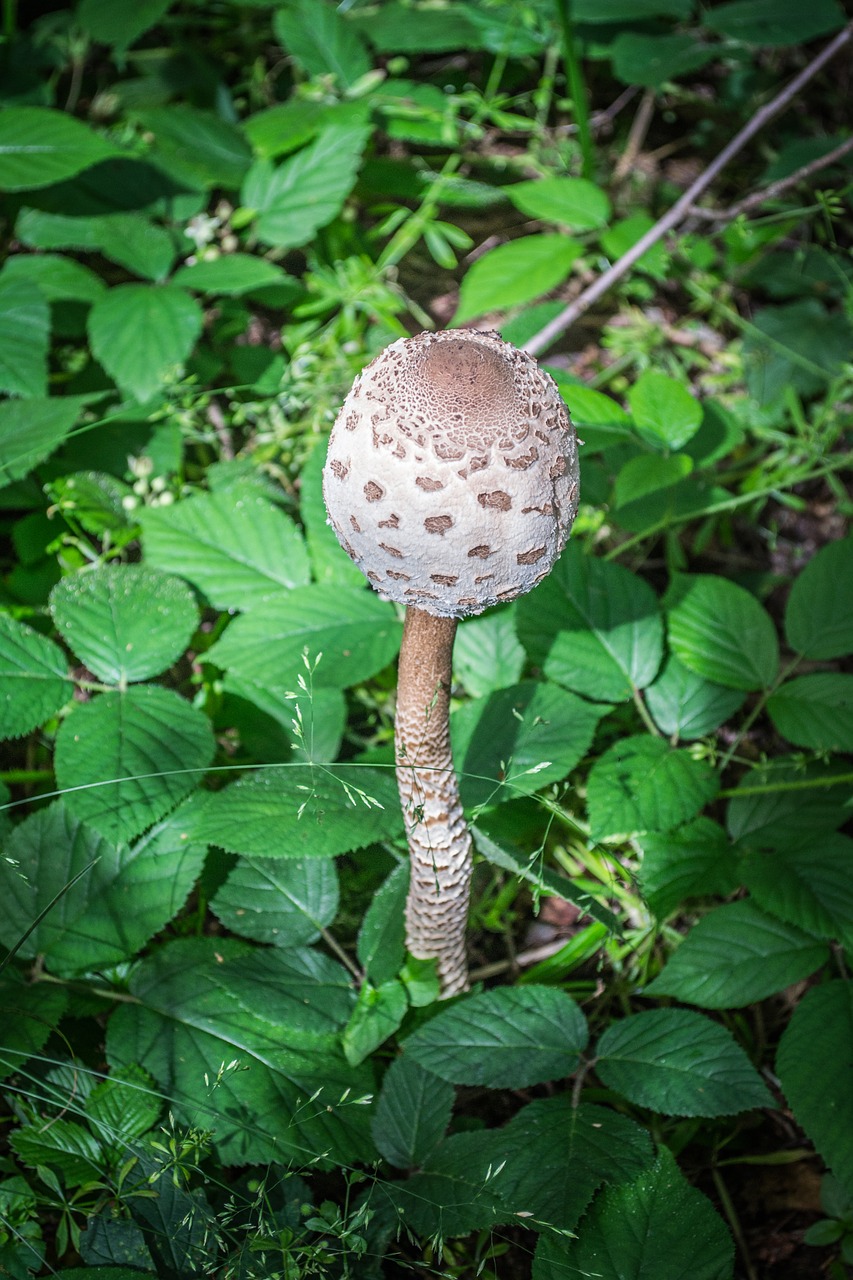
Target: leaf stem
(761,702)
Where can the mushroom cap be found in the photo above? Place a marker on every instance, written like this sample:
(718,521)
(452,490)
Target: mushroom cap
(452,473)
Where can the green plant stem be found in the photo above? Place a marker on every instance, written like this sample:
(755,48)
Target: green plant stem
(734,1222)
(106,993)
(643,711)
(15,776)
(577,87)
(771,788)
(333,945)
(10,18)
(760,704)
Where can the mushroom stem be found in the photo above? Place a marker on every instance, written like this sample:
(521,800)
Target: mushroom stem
(439,840)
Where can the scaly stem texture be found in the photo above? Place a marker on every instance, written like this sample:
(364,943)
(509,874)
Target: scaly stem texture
(439,840)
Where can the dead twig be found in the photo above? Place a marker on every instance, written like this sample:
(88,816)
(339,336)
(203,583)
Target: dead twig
(774,189)
(684,205)
(636,136)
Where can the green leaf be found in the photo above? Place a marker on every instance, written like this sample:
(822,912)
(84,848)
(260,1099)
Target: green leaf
(678,1063)
(644,475)
(657,1225)
(246,1041)
(665,414)
(775,22)
(600,419)
(40,146)
(127,758)
(815,711)
(787,801)
(696,861)
(809,885)
(130,239)
(381,945)
(196,147)
(397,28)
(266,651)
(685,705)
(629,10)
(321,41)
(24,336)
(455,1193)
(285,903)
(306,191)
(30,430)
(570,202)
(126,896)
(819,617)
(505,1038)
(486,654)
(519,740)
(515,273)
(652,60)
(60,279)
(124,1106)
(125,622)
(329,562)
(813,1064)
(412,1113)
(594,626)
(643,784)
(303,812)
(800,345)
(63,1145)
(235,546)
(34,681)
(376,1016)
(737,955)
(721,632)
(231,273)
(625,233)
(119,25)
(286,126)
(31,1013)
(141,332)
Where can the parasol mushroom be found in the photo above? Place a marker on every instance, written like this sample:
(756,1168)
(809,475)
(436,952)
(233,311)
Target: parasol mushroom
(452,482)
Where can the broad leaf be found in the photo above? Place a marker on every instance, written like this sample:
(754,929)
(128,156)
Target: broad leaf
(119,25)
(594,626)
(34,681)
(329,561)
(59,279)
(321,40)
(455,1193)
(235,546)
(737,955)
(652,60)
(788,801)
(130,239)
(486,653)
(665,414)
(124,1106)
(819,617)
(813,1064)
(246,1043)
(815,711)
(126,758)
(775,22)
(125,622)
(648,474)
(809,885)
(657,1225)
(696,861)
(286,903)
(412,1113)
(198,148)
(40,146)
(140,333)
(62,1145)
(381,945)
(31,430)
(376,1016)
(515,273)
(31,1012)
(505,1038)
(24,337)
(571,202)
(643,784)
(678,1063)
(685,705)
(721,632)
(231,273)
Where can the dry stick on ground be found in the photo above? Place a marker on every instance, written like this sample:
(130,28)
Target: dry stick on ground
(774,189)
(685,204)
(636,136)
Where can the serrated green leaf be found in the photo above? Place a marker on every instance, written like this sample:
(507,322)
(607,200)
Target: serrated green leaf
(381,944)
(30,430)
(125,622)
(815,711)
(24,337)
(246,1041)
(809,885)
(34,681)
(307,190)
(198,148)
(139,332)
(303,812)
(721,632)
(286,126)
(412,1113)
(455,1193)
(657,1225)
(644,475)
(515,273)
(678,1063)
(819,617)
(376,1016)
(625,233)
(736,955)
(643,784)
(813,1064)
(127,758)
(119,25)
(652,60)
(235,546)
(570,202)
(31,1012)
(696,861)
(124,1106)
(665,414)
(231,273)
(124,898)
(519,740)
(629,10)
(594,626)
(58,278)
(286,903)
(130,239)
(786,801)
(775,22)
(94,498)
(321,41)
(60,1144)
(486,653)
(505,1038)
(685,705)
(40,146)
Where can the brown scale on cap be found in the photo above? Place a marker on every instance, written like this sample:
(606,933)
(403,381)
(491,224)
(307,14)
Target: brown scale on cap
(461,445)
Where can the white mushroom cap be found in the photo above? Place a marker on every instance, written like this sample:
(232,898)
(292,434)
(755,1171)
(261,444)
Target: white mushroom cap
(452,475)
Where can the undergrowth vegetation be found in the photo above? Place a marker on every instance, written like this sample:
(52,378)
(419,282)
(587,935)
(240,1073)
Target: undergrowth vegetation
(217,1058)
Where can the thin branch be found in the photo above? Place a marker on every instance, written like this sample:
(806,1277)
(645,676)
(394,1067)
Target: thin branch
(777,188)
(684,205)
(636,136)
